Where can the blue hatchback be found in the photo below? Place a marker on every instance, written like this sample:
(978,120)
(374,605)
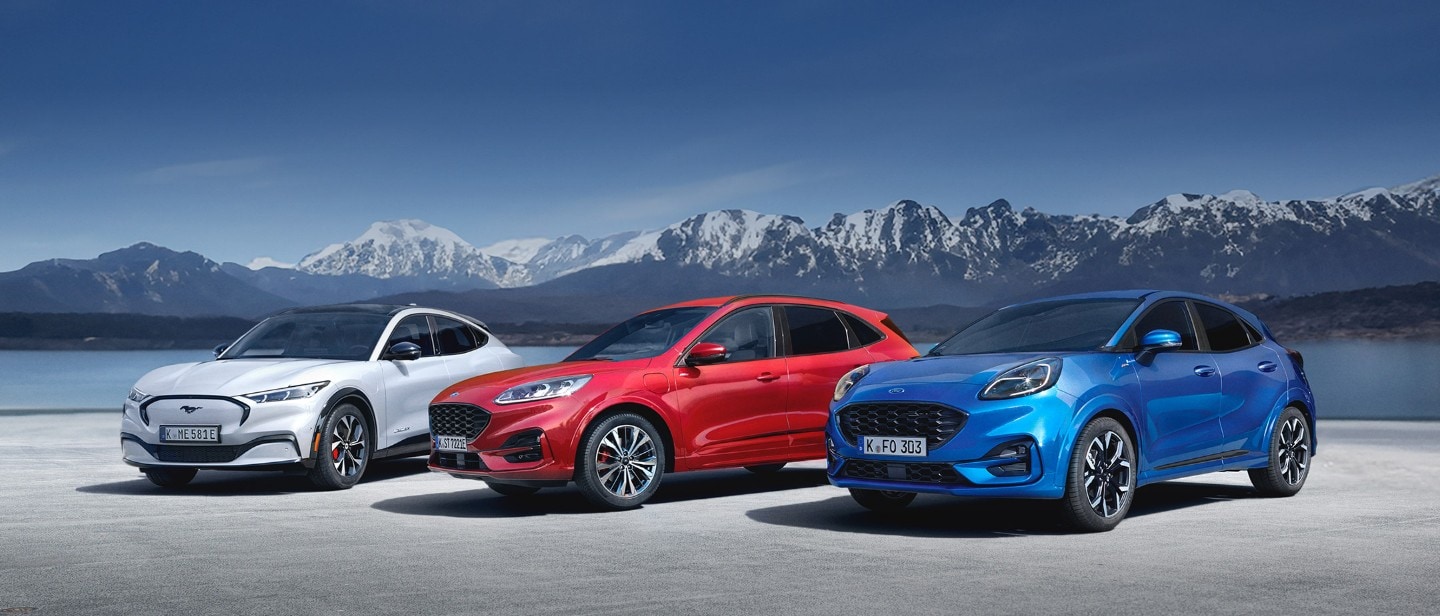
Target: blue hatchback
(1080,398)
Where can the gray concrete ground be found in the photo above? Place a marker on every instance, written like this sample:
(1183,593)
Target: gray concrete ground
(84,534)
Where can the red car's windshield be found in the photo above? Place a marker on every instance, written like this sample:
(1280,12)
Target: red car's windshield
(646,335)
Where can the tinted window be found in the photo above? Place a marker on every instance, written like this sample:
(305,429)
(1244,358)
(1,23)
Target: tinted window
(864,333)
(815,330)
(747,334)
(414,329)
(1222,328)
(1172,316)
(646,335)
(454,337)
(311,335)
(1071,325)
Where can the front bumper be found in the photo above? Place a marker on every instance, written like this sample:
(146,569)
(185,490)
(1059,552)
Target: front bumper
(505,447)
(251,435)
(979,460)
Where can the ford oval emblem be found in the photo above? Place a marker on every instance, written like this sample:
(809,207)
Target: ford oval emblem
(454,393)
(897,390)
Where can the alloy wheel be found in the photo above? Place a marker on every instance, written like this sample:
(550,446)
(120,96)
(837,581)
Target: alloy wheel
(1107,474)
(625,461)
(1294,450)
(347,446)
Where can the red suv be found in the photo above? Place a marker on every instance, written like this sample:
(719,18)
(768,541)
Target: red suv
(710,383)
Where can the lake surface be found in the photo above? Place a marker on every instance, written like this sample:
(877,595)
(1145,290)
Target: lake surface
(1353,379)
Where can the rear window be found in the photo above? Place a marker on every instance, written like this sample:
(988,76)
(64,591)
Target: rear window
(865,334)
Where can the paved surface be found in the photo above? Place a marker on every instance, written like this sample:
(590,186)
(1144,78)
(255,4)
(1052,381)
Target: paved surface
(84,534)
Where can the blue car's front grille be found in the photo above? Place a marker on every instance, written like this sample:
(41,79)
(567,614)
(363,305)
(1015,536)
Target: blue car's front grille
(936,423)
(902,471)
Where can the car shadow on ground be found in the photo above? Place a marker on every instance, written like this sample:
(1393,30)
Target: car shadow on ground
(251,483)
(485,503)
(953,517)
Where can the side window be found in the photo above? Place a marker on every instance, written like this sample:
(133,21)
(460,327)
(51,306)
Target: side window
(454,337)
(815,330)
(1222,329)
(414,329)
(747,334)
(1172,316)
(865,334)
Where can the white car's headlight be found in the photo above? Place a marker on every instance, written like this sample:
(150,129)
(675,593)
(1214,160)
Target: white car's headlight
(294,392)
(137,396)
(542,390)
(1023,380)
(849,380)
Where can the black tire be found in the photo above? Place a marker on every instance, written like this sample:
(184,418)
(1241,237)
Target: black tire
(618,453)
(883,501)
(169,477)
(508,489)
(1100,487)
(345,447)
(765,469)
(1289,456)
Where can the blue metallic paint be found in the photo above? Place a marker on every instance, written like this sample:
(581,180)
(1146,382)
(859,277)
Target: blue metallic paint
(1173,412)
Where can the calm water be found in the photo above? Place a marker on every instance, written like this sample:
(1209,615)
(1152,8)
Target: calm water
(1353,379)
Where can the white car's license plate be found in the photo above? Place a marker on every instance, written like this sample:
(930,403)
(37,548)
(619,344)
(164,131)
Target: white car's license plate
(893,445)
(451,443)
(190,434)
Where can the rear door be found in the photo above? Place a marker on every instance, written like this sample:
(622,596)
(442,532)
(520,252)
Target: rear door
(820,348)
(1252,380)
(735,409)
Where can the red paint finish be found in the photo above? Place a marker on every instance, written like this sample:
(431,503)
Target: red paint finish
(760,403)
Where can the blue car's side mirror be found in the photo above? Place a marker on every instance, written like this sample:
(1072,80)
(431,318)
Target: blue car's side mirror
(1160,339)
(220,349)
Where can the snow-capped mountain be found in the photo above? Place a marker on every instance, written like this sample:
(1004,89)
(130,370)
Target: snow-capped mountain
(414,248)
(1234,242)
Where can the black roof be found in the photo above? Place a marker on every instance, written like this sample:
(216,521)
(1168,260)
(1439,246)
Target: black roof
(380,309)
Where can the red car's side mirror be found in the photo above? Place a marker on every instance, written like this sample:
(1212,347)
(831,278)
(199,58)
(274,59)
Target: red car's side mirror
(706,353)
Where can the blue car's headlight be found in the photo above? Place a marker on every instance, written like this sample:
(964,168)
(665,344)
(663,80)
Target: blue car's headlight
(1023,380)
(294,392)
(849,380)
(542,390)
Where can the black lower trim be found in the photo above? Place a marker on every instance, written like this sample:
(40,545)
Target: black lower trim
(915,472)
(204,454)
(1234,453)
(413,446)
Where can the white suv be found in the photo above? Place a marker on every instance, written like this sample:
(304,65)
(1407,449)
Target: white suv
(323,390)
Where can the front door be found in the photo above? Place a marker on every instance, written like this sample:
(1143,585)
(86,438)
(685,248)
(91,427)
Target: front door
(1180,392)
(410,384)
(735,409)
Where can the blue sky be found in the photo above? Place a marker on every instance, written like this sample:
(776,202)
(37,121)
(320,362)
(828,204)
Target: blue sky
(242,129)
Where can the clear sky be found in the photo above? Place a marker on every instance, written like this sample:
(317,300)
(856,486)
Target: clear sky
(242,129)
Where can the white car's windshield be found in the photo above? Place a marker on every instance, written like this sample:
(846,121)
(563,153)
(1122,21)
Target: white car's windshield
(643,336)
(319,335)
(1076,325)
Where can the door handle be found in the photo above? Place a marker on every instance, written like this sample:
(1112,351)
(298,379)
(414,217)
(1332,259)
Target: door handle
(766,377)
(1267,366)
(1205,370)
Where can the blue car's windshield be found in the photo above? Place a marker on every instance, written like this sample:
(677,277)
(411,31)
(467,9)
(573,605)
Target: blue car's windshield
(315,335)
(643,336)
(1072,325)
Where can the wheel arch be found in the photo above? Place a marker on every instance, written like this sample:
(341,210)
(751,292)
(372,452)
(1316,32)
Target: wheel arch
(654,417)
(345,394)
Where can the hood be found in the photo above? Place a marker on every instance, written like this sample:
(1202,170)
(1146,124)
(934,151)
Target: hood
(234,377)
(950,368)
(509,378)
(935,378)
